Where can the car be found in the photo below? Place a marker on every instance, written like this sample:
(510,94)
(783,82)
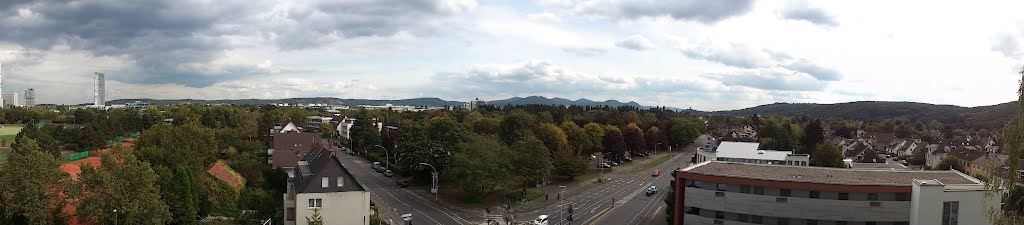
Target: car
(656,173)
(541,220)
(604,165)
(402,183)
(349,152)
(652,190)
(388,173)
(382,169)
(375,165)
(627,159)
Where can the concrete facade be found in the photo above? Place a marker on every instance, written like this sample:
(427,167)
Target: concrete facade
(718,192)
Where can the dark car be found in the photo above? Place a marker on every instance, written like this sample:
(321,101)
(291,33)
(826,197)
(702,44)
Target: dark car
(402,183)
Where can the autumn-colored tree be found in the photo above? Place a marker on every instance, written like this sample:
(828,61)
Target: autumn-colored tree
(32,185)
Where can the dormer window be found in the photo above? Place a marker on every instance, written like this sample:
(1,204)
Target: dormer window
(324,182)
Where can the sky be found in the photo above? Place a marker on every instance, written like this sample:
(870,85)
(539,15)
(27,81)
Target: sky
(705,55)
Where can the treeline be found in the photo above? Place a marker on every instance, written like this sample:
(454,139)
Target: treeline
(492,148)
(161,180)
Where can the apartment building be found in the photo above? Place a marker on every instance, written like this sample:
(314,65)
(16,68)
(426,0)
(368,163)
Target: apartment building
(717,192)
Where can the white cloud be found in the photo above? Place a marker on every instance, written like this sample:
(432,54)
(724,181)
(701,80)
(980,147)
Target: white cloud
(635,42)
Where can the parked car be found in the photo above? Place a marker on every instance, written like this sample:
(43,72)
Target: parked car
(604,165)
(381,169)
(656,173)
(652,190)
(627,159)
(541,220)
(388,173)
(375,165)
(402,183)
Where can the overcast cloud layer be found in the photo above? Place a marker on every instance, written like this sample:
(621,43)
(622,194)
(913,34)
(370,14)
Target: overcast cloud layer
(708,55)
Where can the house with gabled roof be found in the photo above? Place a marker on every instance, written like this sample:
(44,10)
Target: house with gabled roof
(321,183)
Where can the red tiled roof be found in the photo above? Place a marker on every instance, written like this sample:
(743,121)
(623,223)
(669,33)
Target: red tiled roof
(224,173)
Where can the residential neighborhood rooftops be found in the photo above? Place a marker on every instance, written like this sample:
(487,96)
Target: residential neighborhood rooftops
(826,175)
(224,173)
(290,147)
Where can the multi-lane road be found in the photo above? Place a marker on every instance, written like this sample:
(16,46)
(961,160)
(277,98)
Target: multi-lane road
(619,200)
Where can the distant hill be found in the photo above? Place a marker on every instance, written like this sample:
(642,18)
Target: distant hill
(294,101)
(539,100)
(989,117)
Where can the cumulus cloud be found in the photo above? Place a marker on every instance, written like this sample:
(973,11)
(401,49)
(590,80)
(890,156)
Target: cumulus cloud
(635,42)
(800,10)
(772,79)
(544,18)
(185,42)
(747,57)
(707,12)
(538,77)
(1008,45)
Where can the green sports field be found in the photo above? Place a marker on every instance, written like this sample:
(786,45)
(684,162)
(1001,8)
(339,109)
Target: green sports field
(7,134)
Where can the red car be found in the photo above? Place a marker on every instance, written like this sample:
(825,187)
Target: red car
(656,173)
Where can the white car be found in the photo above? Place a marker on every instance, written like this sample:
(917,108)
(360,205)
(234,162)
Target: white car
(541,220)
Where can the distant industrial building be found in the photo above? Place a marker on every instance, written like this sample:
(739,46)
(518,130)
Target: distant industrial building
(99,90)
(716,192)
(30,97)
(474,104)
(748,152)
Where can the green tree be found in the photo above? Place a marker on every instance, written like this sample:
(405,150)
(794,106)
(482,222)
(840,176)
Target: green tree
(670,200)
(124,183)
(552,136)
(516,126)
(568,164)
(685,130)
(949,163)
(595,133)
(813,135)
(577,137)
(654,137)
(613,142)
(364,132)
(532,160)
(481,165)
(327,130)
(634,138)
(1013,147)
(32,184)
(827,154)
(315,219)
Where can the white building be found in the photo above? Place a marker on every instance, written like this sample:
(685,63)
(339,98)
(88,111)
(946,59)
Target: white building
(30,97)
(99,92)
(747,152)
(474,104)
(717,192)
(321,184)
(10,99)
(345,127)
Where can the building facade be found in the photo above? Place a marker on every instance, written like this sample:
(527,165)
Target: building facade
(747,152)
(717,192)
(322,185)
(10,99)
(99,91)
(30,97)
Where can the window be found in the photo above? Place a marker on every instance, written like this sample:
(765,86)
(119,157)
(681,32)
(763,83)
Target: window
(316,203)
(744,218)
(872,196)
(759,190)
(698,184)
(719,194)
(783,221)
(693,211)
(324,182)
(803,163)
(341,181)
(785,192)
(745,189)
(758,219)
(719,215)
(950,213)
(719,222)
(902,196)
(844,196)
(722,187)
(781,200)
(815,194)
(289,214)
(876,204)
(812,222)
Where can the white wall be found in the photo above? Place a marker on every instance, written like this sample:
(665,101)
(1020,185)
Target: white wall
(341,208)
(928,199)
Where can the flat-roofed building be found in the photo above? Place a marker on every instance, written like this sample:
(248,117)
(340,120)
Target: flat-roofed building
(748,152)
(717,192)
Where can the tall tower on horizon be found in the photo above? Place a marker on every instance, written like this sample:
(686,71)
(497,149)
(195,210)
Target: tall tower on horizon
(30,97)
(99,90)
(1,82)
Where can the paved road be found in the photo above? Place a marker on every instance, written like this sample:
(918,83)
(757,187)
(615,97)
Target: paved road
(642,209)
(626,191)
(393,201)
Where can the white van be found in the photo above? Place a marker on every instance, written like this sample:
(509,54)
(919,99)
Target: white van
(541,220)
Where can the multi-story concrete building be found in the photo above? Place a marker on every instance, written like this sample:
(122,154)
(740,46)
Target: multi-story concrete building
(747,152)
(10,99)
(99,90)
(718,192)
(322,185)
(474,104)
(30,97)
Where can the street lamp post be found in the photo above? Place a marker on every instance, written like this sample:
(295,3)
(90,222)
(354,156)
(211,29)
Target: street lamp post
(115,216)
(432,180)
(387,157)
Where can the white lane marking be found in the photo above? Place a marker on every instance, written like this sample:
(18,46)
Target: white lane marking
(451,215)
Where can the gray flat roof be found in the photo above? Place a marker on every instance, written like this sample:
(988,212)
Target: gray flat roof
(805,174)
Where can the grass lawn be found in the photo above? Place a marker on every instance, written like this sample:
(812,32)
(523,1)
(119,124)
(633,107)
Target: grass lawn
(531,194)
(658,161)
(7,134)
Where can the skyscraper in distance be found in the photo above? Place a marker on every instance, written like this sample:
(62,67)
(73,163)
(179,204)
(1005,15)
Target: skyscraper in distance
(30,97)
(99,90)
